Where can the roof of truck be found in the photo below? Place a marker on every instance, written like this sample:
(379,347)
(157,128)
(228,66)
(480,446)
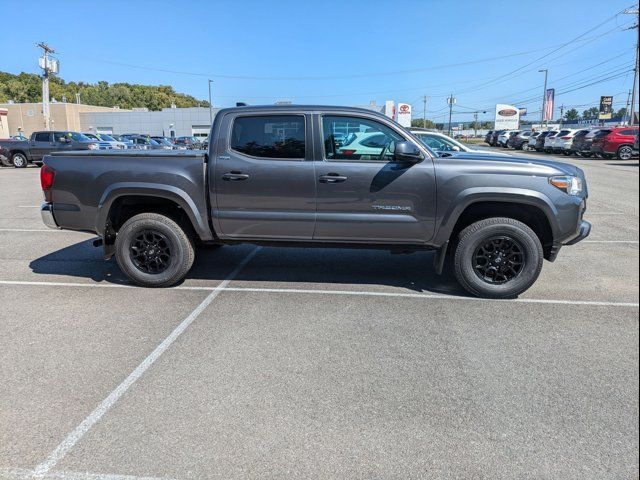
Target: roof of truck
(304,108)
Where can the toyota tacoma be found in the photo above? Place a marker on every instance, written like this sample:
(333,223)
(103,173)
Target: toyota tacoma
(319,177)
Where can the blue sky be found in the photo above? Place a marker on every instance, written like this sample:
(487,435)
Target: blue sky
(345,52)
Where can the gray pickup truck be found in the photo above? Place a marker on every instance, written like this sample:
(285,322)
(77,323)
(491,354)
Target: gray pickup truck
(23,152)
(318,177)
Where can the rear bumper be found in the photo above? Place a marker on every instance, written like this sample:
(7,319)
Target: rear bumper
(46,212)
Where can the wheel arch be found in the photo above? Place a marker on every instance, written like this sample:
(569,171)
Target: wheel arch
(531,208)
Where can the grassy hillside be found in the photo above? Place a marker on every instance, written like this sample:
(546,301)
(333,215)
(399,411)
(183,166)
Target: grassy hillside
(27,87)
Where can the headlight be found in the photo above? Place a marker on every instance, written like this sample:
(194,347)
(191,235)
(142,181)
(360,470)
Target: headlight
(93,146)
(568,184)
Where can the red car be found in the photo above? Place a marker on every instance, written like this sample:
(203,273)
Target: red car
(618,141)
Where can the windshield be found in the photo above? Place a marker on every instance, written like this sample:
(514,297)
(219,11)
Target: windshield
(163,141)
(106,138)
(440,143)
(78,137)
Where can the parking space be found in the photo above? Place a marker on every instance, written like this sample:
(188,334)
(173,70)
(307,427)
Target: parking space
(292,363)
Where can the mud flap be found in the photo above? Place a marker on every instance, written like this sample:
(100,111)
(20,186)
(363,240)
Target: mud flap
(439,258)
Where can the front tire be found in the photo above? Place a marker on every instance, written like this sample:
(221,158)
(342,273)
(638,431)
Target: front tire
(498,258)
(19,160)
(153,250)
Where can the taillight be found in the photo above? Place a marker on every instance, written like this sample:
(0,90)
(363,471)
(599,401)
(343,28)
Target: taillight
(47,174)
(347,152)
(565,138)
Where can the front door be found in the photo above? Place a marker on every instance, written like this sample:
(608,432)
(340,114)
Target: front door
(41,145)
(365,196)
(264,177)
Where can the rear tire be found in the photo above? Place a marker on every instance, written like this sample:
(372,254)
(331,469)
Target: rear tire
(625,152)
(19,160)
(498,258)
(153,250)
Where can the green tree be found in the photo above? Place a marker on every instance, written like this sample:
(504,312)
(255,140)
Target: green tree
(27,88)
(417,122)
(591,113)
(572,114)
(621,113)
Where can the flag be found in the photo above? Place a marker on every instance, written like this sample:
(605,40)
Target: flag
(548,104)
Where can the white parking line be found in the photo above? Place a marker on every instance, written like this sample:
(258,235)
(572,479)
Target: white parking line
(632,242)
(422,296)
(23,474)
(46,230)
(28,206)
(95,416)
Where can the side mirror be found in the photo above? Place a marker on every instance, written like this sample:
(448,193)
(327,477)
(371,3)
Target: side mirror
(406,152)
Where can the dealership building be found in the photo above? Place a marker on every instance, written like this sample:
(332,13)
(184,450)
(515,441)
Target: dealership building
(169,122)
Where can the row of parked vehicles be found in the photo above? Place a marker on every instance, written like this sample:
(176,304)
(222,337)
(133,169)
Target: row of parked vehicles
(19,152)
(599,142)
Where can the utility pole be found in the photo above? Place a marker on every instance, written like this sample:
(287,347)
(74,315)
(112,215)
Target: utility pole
(210,105)
(626,109)
(561,114)
(544,96)
(424,113)
(451,100)
(49,67)
(475,124)
(635,71)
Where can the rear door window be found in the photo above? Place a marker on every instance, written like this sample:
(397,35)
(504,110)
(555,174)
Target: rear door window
(42,137)
(269,136)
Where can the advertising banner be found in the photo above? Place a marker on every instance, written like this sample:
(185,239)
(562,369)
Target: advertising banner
(606,108)
(507,117)
(404,114)
(548,104)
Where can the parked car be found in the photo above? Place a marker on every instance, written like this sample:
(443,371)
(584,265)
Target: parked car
(192,143)
(487,137)
(503,137)
(616,141)
(511,135)
(165,142)
(143,142)
(444,145)
(562,141)
(582,144)
(504,215)
(549,140)
(577,141)
(635,145)
(540,139)
(105,141)
(494,137)
(5,157)
(520,140)
(40,144)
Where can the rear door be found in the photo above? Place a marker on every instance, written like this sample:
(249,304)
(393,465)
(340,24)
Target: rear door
(363,195)
(41,145)
(263,179)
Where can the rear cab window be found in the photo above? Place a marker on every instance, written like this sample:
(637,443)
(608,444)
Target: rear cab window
(269,136)
(42,137)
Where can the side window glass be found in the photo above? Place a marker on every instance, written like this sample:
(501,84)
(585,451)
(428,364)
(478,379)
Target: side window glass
(353,138)
(42,137)
(269,136)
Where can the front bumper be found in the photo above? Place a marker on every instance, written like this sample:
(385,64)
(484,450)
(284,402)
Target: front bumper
(583,232)
(46,212)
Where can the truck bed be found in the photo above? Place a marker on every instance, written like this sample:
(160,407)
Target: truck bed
(88,182)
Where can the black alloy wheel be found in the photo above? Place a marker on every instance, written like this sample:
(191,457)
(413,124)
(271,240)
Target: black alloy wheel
(150,251)
(499,260)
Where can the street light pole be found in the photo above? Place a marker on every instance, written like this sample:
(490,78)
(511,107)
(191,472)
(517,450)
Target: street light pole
(424,113)
(544,96)
(634,11)
(451,102)
(210,105)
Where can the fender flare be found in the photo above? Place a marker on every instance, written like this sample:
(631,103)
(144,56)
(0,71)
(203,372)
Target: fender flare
(180,197)
(474,195)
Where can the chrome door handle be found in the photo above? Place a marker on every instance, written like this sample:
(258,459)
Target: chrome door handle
(332,178)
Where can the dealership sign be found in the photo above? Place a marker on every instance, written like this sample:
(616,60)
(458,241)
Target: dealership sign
(507,117)
(404,114)
(606,108)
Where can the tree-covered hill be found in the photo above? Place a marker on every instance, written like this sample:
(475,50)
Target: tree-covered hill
(27,87)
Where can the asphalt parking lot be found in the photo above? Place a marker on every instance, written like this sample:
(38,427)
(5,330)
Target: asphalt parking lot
(290,363)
